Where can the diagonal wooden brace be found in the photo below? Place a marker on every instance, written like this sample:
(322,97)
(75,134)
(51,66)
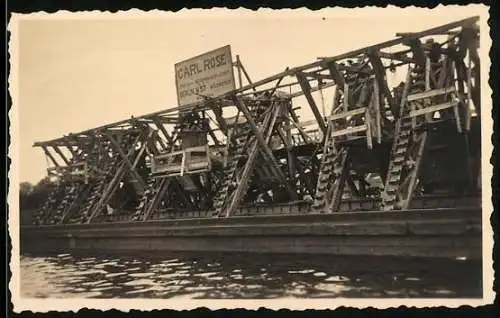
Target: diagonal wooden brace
(217,110)
(380,76)
(112,185)
(267,152)
(306,89)
(131,166)
(74,153)
(59,152)
(47,152)
(336,75)
(160,126)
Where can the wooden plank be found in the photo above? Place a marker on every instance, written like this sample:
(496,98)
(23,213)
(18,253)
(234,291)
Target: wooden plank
(350,130)
(431,93)
(398,56)
(313,89)
(432,109)
(354,112)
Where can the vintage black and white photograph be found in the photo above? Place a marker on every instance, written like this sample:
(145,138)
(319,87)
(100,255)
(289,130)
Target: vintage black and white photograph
(289,157)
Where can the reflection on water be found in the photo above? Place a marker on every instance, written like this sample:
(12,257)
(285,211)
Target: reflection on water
(245,276)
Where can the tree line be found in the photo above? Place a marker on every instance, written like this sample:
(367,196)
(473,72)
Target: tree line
(33,196)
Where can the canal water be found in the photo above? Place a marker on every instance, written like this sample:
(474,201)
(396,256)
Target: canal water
(245,276)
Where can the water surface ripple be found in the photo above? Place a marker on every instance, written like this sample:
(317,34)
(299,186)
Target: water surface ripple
(245,276)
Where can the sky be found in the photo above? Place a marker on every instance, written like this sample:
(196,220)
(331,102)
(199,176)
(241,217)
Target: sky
(76,72)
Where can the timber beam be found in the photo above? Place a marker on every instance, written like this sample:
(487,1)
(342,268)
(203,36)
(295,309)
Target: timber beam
(161,127)
(267,152)
(112,184)
(131,166)
(59,152)
(381,77)
(336,75)
(52,158)
(306,89)
(217,110)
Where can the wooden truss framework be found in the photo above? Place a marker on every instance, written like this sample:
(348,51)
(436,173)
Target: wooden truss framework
(364,109)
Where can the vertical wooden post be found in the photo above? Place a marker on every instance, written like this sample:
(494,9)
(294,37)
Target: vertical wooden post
(183,162)
(428,116)
(238,66)
(368,123)
(469,95)
(336,93)
(456,111)
(376,108)
(290,156)
(346,97)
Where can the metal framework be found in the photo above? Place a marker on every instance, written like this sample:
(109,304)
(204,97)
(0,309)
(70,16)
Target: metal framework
(383,144)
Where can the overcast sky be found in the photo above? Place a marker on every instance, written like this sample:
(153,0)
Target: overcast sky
(76,74)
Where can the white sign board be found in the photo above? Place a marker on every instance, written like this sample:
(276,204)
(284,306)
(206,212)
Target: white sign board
(210,74)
